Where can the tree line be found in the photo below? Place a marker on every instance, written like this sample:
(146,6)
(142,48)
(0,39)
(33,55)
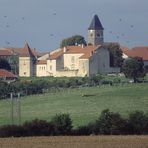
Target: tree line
(108,123)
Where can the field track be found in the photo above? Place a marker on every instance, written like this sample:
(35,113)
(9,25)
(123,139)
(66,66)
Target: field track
(76,142)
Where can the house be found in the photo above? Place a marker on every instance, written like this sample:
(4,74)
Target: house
(7,76)
(79,60)
(6,54)
(69,61)
(141,51)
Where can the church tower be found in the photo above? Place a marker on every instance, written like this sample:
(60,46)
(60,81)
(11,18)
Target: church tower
(95,32)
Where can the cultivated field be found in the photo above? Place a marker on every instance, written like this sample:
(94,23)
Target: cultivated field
(76,142)
(83,104)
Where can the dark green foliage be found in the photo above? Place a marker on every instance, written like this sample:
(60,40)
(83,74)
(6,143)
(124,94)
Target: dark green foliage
(12,131)
(74,40)
(63,124)
(134,68)
(109,123)
(137,123)
(3,90)
(4,64)
(116,59)
(39,128)
(85,129)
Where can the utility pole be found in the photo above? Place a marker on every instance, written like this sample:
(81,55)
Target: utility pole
(19,109)
(12,119)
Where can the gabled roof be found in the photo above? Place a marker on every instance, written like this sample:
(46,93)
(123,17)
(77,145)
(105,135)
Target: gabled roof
(86,51)
(4,73)
(95,24)
(137,52)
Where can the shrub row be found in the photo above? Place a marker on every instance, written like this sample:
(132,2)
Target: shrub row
(109,123)
(29,87)
(59,125)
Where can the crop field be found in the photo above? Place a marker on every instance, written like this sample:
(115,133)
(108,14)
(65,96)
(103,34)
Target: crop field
(83,104)
(76,142)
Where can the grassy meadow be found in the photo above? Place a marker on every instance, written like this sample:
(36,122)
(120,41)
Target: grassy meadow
(83,104)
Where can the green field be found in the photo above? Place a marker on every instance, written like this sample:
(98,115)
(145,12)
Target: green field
(83,104)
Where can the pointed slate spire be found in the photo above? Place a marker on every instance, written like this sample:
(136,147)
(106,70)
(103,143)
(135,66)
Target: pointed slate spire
(95,24)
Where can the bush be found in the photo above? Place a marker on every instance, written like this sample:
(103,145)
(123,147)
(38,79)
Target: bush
(62,123)
(109,123)
(84,130)
(137,123)
(12,131)
(39,128)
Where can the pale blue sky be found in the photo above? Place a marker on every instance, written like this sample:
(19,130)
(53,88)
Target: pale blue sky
(44,23)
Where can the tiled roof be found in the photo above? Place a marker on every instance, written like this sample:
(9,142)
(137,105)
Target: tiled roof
(5,73)
(137,52)
(41,62)
(5,52)
(95,24)
(56,54)
(87,51)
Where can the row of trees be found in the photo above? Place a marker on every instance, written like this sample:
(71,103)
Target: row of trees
(52,85)
(108,123)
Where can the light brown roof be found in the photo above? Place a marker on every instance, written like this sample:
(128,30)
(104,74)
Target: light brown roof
(137,52)
(5,52)
(87,51)
(5,73)
(41,62)
(56,54)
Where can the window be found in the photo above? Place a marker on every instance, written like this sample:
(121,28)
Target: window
(91,34)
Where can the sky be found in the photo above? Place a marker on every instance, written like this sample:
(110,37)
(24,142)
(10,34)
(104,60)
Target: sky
(44,23)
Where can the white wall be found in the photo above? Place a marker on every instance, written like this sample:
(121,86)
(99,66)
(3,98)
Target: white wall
(41,70)
(71,61)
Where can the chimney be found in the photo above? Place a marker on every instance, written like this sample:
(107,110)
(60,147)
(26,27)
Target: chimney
(64,49)
(82,45)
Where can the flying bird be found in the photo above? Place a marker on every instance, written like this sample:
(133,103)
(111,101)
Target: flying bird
(132,26)
(7,26)
(120,19)
(117,37)
(7,42)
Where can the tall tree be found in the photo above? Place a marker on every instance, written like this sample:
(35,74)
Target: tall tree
(4,64)
(134,68)
(74,40)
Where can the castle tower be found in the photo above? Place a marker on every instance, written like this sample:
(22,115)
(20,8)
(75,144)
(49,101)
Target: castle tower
(95,32)
(26,62)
